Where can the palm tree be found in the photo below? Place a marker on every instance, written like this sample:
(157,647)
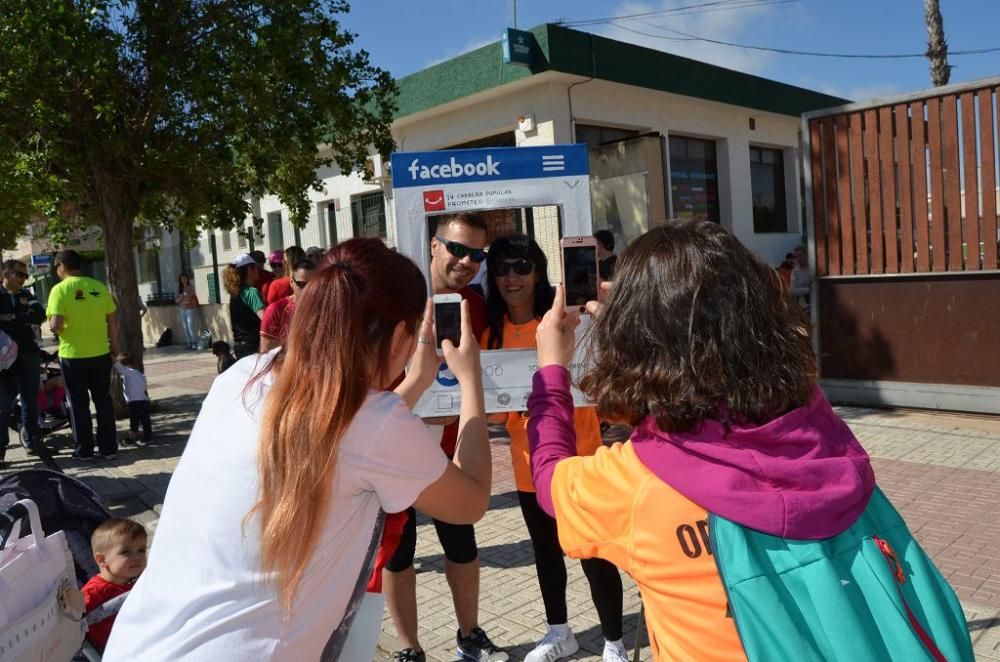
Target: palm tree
(937,47)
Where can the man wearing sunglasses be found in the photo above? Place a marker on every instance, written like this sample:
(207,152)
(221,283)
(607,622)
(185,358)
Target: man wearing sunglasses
(457,251)
(19,312)
(278,316)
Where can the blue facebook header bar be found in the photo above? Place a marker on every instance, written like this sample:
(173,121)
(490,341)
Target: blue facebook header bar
(457,166)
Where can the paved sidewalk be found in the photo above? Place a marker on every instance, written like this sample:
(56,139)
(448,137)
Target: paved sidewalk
(941,471)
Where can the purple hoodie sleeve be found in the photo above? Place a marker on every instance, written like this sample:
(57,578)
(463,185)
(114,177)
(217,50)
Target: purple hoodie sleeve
(551,432)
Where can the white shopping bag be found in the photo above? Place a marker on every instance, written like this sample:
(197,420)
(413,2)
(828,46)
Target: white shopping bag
(41,613)
(363,635)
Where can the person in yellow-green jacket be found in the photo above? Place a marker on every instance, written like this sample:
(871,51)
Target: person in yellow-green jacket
(83,314)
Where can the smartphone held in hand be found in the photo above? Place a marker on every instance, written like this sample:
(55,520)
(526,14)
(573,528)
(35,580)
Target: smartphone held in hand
(580,271)
(447,319)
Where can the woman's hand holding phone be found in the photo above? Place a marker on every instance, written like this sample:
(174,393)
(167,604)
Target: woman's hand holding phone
(463,361)
(556,334)
(424,363)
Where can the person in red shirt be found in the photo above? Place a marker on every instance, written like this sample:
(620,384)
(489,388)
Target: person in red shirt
(278,316)
(264,277)
(281,287)
(457,252)
(119,547)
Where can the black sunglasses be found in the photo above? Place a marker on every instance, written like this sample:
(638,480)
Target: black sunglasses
(461,250)
(300,283)
(21,274)
(522,267)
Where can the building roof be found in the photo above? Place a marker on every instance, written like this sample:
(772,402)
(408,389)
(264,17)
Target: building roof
(584,54)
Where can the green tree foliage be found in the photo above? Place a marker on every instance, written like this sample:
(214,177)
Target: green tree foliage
(170,113)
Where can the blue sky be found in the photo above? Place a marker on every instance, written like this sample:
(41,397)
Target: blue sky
(404,37)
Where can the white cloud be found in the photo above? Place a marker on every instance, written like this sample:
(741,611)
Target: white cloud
(852,92)
(471,45)
(734,24)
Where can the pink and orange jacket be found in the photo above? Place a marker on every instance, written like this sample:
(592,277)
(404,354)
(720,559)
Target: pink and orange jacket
(643,505)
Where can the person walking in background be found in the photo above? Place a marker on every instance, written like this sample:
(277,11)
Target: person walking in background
(187,300)
(606,253)
(20,314)
(278,316)
(246,307)
(281,287)
(136,397)
(84,316)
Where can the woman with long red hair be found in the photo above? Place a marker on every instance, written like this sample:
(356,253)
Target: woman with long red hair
(267,534)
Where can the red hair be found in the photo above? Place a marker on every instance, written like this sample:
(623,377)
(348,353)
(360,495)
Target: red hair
(337,350)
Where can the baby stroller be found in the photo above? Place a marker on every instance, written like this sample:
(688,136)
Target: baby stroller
(53,405)
(67,510)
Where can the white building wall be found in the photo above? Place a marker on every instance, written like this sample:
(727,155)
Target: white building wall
(601,102)
(548,99)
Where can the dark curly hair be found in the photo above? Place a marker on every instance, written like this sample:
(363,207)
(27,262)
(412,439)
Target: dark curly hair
(696,327)
(507,248)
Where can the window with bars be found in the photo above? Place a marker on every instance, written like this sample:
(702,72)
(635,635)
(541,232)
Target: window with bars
(767,186)
(368,215)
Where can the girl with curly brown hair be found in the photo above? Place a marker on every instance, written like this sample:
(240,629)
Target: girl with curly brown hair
(700,350)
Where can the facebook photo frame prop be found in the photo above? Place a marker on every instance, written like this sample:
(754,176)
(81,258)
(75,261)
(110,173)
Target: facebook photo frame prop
(427,184)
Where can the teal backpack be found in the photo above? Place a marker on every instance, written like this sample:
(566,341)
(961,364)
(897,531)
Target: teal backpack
(869,593)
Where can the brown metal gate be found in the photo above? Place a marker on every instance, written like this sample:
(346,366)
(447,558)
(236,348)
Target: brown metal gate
(902,198)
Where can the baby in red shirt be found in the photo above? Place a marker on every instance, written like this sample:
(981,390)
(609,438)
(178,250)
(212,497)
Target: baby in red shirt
(119,547)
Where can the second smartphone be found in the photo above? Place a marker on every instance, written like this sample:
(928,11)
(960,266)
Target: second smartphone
(447,319)
(580,272)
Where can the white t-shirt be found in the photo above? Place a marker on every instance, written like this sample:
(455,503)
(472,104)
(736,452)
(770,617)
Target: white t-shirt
(133,383)
(203,596)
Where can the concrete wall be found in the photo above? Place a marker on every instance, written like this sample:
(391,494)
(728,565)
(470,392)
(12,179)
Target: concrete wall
(214,318)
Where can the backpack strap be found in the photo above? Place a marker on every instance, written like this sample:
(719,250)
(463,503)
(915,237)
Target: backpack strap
(900,576)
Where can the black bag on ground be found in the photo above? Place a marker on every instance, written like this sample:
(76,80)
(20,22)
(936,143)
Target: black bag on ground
(166,338)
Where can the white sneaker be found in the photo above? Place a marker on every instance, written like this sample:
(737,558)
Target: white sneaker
(614,652)
(553,646)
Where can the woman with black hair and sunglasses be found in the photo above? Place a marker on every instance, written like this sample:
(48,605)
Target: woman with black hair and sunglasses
(519,295)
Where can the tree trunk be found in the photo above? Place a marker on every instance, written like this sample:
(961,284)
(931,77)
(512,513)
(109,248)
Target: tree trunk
(117,222)
(937,46)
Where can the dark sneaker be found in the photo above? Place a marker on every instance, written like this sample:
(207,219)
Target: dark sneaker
(83,458)
(409,655)
(477,647)
(108,457)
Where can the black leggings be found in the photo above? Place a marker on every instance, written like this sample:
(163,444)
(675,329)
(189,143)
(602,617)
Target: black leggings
(605,582)
(457,540)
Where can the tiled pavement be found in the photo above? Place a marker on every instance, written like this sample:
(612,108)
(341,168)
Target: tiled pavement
(940,470)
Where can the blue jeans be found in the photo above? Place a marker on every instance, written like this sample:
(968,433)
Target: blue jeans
(189,316)
(23,379)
